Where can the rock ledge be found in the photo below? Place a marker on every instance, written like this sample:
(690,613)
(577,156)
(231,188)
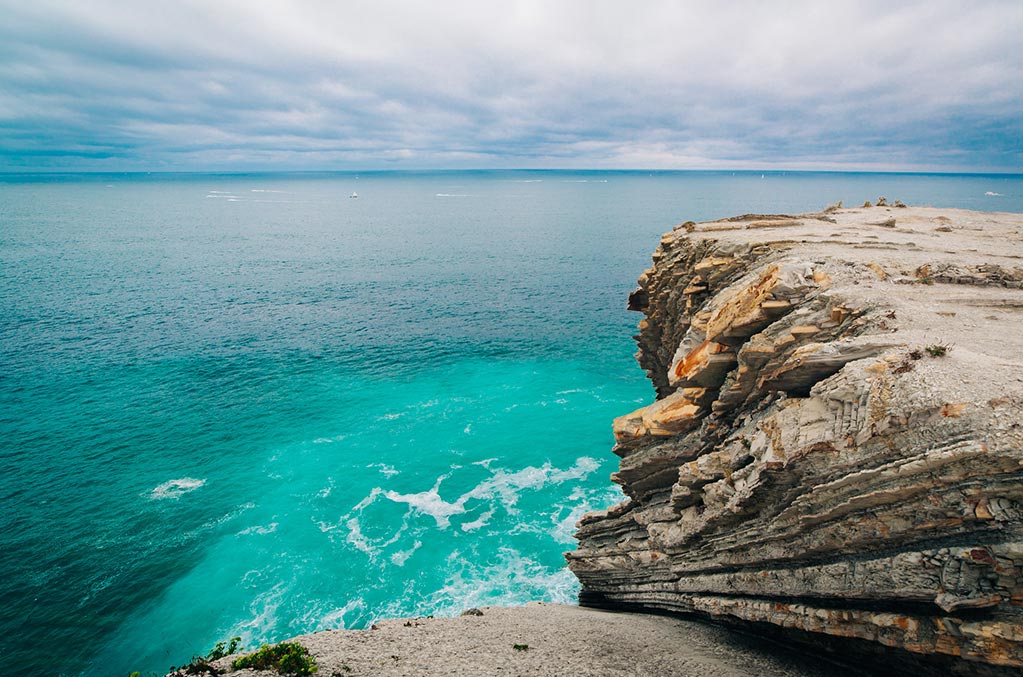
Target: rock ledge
(835,451)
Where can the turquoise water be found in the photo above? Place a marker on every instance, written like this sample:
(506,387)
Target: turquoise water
(251,405)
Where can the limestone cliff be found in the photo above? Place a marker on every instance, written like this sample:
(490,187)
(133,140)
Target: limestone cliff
(835,450)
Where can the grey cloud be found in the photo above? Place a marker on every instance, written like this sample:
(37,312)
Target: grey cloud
(318,85)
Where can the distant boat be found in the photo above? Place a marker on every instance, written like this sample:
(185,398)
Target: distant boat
(354,195)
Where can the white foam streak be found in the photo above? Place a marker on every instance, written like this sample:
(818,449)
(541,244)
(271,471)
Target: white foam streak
(502,485)
(335,620)
(259,530)
(176,488)
(513,579)
(430,503)
(399,558)
(478,523)
(372,547)
(365,544)
(385,470)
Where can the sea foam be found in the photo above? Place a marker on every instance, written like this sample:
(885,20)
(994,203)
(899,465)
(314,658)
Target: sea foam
(176,488)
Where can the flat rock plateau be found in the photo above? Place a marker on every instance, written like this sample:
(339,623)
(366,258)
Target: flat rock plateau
(834,455)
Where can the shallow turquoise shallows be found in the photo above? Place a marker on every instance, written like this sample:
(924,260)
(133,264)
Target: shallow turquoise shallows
(254,405)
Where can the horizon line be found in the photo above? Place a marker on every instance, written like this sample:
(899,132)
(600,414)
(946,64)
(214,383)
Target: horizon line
(453,170)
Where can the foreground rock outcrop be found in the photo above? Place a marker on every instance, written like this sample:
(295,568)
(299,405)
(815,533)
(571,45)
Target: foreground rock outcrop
(546,640)
(835,451)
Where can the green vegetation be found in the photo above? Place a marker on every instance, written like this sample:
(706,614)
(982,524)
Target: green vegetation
(288,658)
(938,349)
(219,651)
(202,665)
(198,666)
(520,647)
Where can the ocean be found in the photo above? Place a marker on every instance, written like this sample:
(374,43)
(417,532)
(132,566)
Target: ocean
(252,405)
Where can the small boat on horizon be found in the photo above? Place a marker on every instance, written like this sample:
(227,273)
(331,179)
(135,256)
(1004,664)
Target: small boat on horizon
(353,195)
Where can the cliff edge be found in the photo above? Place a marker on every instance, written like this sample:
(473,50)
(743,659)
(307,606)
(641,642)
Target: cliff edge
(835,450)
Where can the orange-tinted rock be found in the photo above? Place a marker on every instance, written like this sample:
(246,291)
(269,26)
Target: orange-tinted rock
(808,464)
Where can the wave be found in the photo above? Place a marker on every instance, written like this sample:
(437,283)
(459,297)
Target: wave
(335,618)
(263,620)
(176,488)
(452,195)
(993,194)
(513,579)
(502,486)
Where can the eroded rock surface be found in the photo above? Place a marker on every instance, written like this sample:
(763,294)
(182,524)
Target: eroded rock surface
(835,448)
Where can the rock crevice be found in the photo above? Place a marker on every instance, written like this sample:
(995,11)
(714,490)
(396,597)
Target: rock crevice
(835,447)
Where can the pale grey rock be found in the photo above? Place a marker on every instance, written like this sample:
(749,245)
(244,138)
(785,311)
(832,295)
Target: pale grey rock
(813,463)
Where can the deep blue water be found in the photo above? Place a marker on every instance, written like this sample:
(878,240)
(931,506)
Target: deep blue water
(251,405)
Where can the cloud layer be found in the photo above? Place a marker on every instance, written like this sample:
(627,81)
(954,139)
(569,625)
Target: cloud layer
(231,85)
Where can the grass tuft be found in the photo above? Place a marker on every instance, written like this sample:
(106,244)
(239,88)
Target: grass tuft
(288,658)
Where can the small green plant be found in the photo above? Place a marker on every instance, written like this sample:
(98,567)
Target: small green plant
(937,349)
(225,649)
(198,666)
(288,658)
(520,647)
(202,665)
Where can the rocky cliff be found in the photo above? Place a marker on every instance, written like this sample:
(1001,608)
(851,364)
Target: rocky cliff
(835,449)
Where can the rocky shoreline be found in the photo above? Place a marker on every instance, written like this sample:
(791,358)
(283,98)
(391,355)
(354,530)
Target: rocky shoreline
(835,454)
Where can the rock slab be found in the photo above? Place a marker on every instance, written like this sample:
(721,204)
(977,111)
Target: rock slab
(547,640)
(835,450)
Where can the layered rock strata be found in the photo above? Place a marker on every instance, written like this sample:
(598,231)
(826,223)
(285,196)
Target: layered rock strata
(835,449)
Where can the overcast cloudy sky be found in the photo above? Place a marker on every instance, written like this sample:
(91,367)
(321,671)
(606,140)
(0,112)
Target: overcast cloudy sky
(269,84)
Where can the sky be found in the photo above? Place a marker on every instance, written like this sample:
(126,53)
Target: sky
(232,85)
